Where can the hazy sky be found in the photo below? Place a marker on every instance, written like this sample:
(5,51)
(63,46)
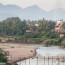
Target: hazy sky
(44,4)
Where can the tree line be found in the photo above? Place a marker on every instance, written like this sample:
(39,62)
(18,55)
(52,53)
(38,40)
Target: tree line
(40,32)
(14,26)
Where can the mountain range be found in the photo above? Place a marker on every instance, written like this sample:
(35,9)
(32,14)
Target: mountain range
(33,13)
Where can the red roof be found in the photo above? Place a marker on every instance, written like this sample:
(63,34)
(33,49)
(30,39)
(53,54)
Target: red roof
(28,30)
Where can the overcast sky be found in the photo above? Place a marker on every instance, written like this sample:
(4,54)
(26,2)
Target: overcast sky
(44,4)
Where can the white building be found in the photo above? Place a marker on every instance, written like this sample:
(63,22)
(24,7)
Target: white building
(58,25)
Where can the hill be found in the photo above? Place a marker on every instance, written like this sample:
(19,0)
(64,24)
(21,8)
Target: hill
(33,12)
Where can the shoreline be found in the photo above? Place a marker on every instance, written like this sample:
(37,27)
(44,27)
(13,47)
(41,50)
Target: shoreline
(18,52)
(28,57)
(24,58)
(61,47)
(23,48)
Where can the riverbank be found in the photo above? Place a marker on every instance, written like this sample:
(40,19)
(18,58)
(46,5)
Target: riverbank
(61,47)
(18,52)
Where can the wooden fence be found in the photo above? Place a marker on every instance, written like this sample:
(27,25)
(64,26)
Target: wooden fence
(59,60)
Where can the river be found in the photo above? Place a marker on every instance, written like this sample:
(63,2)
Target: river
(44,52)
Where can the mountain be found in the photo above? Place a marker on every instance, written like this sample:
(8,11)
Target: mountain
(9,11)
(33,12)
(57,14)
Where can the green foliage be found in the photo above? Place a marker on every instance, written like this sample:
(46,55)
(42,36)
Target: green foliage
(63,43)
(31,40)
(2,57)
(32,35)
(51,42)
(8,40)
(54,35)
(0,40)
(46,25)
(14,27)
(59,42)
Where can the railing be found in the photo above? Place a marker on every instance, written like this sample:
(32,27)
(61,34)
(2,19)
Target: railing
(59,60)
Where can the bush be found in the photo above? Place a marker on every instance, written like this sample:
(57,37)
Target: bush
(51,42)
(52,35)
(31,40)
(8,40)
(2,57)
(32,35)
(0,40)
(63,43)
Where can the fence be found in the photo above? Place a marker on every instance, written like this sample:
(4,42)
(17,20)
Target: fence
(59,60)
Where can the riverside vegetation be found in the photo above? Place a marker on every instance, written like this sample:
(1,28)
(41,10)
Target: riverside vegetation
(3,59)
(40,33)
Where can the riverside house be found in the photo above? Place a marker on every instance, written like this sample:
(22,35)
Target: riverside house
(62,32)
(58,25)
(59,29)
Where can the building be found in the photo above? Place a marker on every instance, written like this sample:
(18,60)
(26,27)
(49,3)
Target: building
(28,31)
(58,25)
(62,32)
(36,25)
(59,29)
(28,24)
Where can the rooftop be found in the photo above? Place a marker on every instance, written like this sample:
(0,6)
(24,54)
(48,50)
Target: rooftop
(62,31)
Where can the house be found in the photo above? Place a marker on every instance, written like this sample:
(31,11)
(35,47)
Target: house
(28,31)
(62,32)
(28,24)
(59,29)
(36,25)
(58,25)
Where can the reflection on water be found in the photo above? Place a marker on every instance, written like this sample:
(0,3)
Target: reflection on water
(45,51)
(40,62)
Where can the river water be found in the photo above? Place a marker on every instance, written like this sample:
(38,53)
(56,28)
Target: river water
(44,52)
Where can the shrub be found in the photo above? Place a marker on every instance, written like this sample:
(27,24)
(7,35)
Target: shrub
(8,40)
(0,40)
(31,40)
(2,57)
(63,43)
(51,42)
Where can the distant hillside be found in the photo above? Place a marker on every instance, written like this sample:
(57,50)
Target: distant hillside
(9,11)
(33,12)
(57,14)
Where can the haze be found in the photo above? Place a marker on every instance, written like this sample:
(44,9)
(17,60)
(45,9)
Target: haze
(44,4)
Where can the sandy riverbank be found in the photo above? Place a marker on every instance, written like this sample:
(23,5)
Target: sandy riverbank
(18,52)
